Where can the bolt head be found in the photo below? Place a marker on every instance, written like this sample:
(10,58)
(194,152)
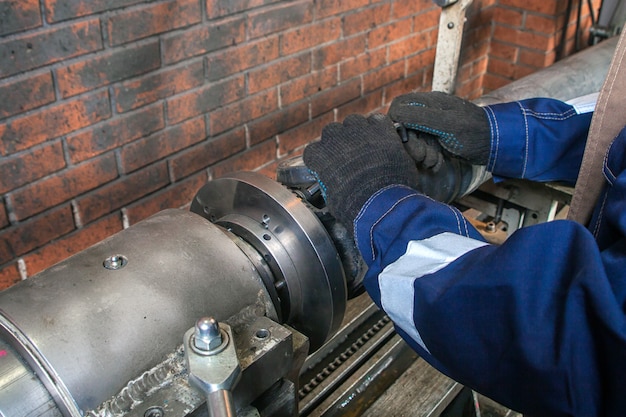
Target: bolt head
(207,334)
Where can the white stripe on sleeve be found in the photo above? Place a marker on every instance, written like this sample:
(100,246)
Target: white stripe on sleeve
(421,258)
(584,104)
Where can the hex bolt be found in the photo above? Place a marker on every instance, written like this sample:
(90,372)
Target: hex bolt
(207,334)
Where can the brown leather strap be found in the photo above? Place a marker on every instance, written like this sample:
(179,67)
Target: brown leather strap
(608,120)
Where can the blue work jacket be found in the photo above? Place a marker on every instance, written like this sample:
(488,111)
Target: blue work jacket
(536,323)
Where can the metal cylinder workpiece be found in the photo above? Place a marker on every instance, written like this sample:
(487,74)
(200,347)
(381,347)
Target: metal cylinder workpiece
(87,326)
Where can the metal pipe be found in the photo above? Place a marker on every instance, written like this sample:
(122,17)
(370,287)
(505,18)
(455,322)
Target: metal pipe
(86,327)
(220,404)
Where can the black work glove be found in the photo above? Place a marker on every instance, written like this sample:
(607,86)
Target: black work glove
(423,148)
(460,126)
(356,159)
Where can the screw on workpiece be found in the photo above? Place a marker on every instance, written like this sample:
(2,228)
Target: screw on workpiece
(115,262)
(207,334)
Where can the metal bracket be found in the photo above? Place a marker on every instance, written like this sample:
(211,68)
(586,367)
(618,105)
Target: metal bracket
(449,39)
(212,364)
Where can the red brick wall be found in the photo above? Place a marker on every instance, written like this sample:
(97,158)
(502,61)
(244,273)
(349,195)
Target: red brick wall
(113,110)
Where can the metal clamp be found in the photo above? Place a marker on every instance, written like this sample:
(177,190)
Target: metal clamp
(212,364)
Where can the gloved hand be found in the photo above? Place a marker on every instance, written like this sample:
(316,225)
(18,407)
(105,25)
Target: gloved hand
(423,148)
(461,127)
(354,160)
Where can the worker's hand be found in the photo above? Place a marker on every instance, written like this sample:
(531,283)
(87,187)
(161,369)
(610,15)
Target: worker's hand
(461,127)
(354,160)
(424,149)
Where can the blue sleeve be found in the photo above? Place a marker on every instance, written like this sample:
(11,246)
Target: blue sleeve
(535,323)
(537,139)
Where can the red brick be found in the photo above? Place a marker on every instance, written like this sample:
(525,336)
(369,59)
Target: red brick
(479,67)
(158,85)
(26,94)
(277,122)
(73,243)
(362,63)
(51,122)
(250,160)
(474,39)
(34,50)
(366,19)
(543,24)
(523,38)
(114,133)
(335,52)
(119,193)
(493,82)
(412,45)
(470,89)
(18,15)
(139,23)
(536,59)
(480,13)
(303,133)
(421,61)
(29,235)
(4,219)
(508,70)
(57,10)
(463,74)
(383,76)
(335,97)
(205,99)
(152,148)
(502,68)
(278,18)
(220,8)
(404,8)
(539,6)
(175,196)
(207,153)
(508,16)
(503,50)
(236,114)
(269,170)
(107,68)
(241,58)
(407,85)
(308,36)
(278,72)
(325,8)
(18,170)
(9,275)
(474,52)
(63,186)
(203,39)
(388,33)
(371,103)
(304,87)
(428,20)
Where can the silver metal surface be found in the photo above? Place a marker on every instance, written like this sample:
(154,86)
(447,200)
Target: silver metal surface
(92,329)
(220,404)
(18,381)
(215,370)
(575,76)
(450,35)
(309,282)
(207,335)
